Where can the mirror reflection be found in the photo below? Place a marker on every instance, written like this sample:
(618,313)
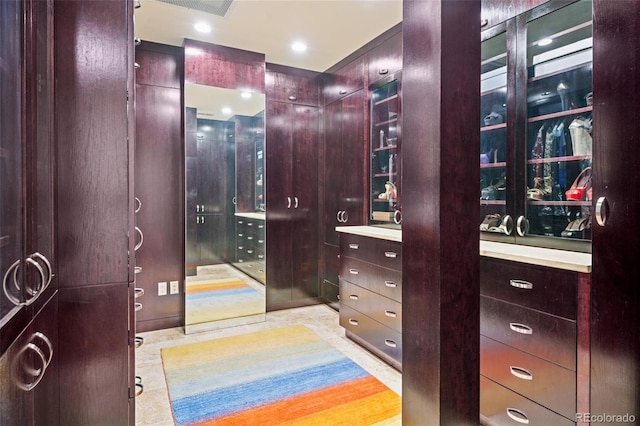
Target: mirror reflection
(224,205)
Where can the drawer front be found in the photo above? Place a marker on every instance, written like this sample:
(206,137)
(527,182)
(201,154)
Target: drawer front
(541,381)
(379,308)
(545,289)
(384,253)
(387,282)
(382,338)
(501,406)
(547,336)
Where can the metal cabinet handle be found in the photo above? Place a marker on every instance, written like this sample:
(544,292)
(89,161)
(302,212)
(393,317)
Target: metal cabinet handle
(353,321)
(353,297)
(517,415)
(602,211)
(139,386)
(48,265)
(137,269)
(138,292)
(520,328)
(354,271)
(526,285)
(38,290)
(295,202)
(13,270)
(390,314)
(507,225)
(354,246)
(202,219)
(138,307)
(138,204)
(47,342)
(139,231)
(521,373)
(383,71)
(390,343)
(397,217)
(390,254)
(288,202)
(390,284)
(338,216)
(37,373)
(522,226)
(344,216)
(139,341)
(343,92)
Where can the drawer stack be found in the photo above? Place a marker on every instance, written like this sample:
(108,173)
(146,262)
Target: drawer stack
(528,344)
(370,281)
(250,247)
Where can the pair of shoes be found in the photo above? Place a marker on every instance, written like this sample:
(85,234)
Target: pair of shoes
(580,188)
(496,223)
(576,227)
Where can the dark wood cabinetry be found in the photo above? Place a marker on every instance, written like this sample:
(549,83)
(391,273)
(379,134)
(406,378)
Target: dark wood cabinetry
(386,58)
(371,294)
(251,246)
(347,79)
(531,345)
(292,136)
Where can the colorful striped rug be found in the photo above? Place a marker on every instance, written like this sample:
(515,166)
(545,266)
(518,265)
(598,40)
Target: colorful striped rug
(217,299)
(281,376)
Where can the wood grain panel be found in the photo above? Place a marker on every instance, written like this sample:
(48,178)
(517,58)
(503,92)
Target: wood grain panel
(441,106)
(497,11)
(384,59)
(615,294)
(284,83)
(346,80)
(234,68)
(91,134)
(94,324)
(160,65)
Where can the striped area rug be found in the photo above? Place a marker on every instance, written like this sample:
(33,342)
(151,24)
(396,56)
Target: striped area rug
(212,300)
(281,376)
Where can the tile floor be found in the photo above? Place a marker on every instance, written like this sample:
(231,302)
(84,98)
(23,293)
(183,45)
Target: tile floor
(152,406)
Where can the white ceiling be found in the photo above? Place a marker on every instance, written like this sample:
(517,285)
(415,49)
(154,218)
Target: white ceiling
(331,28)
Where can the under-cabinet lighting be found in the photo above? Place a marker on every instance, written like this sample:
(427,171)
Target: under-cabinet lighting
(202,27)
(545,42)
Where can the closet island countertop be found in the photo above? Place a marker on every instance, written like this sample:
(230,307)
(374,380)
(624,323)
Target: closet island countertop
(561,259)
(259,216)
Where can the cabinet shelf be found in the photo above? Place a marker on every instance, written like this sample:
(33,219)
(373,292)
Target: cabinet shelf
(384,175)
(385,100)
(384,123)
(493,127)
(560,114)
(493,203)
(586,65)
(385,148)
(559,203)
(493,165)
(559,159)
(382,200)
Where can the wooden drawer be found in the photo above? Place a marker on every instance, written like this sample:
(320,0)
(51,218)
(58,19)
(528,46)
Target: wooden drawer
(501,406)
(385,253)
(541,381)
(387,282)
(382,309)
(547,336)
(545,289)
(379,337)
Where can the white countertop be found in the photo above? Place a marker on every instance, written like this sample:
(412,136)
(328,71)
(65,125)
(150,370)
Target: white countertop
(259,216)
(561,259)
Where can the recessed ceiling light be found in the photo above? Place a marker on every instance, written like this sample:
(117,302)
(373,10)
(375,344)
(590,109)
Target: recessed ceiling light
(202,27)
(545,42)
(226,110)
(299,46)
(245,95)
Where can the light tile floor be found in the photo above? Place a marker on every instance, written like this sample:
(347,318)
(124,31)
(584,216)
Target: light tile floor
(152,406)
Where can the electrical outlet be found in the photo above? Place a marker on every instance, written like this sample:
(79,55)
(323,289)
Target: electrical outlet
(162,288)
(175,287)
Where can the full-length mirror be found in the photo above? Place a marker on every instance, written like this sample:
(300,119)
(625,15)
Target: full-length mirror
(224,206)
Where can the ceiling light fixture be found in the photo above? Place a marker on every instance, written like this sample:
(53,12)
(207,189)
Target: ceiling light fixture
(245,95)
(545,42)
(299,46)
(226,110)
(202,27)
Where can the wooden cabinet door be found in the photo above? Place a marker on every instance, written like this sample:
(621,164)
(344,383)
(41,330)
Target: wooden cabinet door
(350,174)
(332,170)
(278,148)
(304,215)
(385,59)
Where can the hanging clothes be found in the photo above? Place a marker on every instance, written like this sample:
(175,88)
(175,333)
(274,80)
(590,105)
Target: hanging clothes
(580,129)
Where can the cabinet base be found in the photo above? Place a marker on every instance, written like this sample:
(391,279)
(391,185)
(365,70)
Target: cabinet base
(386,358)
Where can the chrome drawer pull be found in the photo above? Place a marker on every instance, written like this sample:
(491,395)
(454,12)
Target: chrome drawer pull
(390,254)
(521,284)
(390,343)
(354,271)
(138,306)
(390,284)
(353,322)
(521,373)
(249,238)
(353,297)
(390,314)
(354,246)
(520,328)
(261,256)
(138,291)
(518,416)
(260,241)
(139,341)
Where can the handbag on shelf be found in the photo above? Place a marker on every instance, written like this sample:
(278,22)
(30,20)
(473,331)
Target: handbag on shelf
(580,187)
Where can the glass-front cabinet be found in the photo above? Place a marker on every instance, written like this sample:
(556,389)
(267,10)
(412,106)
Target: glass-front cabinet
(385,185)
(535,183)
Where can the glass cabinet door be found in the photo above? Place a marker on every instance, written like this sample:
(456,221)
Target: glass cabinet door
(494,220)
(385,153)
(559,105)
